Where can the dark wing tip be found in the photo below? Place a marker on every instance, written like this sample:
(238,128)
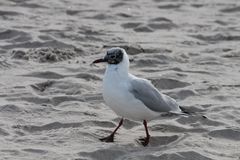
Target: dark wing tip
(186,111)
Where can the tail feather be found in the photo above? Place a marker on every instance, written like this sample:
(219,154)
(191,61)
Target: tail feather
(187,111)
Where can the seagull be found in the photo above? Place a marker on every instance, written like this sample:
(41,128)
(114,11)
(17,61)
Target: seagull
(132,97)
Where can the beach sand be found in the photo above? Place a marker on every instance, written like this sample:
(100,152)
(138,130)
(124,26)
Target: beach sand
(51,105)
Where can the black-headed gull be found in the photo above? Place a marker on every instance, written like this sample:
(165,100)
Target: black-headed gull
(129,96)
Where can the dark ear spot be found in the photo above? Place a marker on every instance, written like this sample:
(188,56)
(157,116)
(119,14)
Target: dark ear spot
(114,56)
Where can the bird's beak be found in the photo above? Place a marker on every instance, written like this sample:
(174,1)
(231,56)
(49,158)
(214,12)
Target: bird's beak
(100,60)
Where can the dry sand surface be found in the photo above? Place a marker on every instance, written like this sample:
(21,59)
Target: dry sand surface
(51,105)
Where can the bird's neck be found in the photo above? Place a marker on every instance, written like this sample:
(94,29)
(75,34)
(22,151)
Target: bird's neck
(119,71)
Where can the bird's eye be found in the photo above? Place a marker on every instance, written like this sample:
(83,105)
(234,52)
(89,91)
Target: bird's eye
(113,56)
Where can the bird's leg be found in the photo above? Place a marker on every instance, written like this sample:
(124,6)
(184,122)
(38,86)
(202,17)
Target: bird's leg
(145,140)
(110,138)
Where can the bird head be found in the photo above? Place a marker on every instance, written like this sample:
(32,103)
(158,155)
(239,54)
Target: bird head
(113,56)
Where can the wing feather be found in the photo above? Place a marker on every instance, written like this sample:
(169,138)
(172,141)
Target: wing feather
(144,91)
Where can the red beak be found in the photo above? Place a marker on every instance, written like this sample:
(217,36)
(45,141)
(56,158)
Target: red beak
(100,60)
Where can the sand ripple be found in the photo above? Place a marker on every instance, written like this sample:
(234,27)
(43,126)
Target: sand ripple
(51,106)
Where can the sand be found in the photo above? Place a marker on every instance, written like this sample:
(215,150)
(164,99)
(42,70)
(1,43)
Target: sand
(51,105)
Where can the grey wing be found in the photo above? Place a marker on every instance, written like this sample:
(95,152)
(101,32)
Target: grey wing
(144,91)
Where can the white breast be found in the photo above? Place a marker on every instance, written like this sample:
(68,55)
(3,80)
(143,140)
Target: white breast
(117,96)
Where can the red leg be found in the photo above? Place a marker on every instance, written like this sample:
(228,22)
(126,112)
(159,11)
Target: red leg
(110,138)
(145,140)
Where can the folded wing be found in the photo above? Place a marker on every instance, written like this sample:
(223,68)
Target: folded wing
(144,91)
